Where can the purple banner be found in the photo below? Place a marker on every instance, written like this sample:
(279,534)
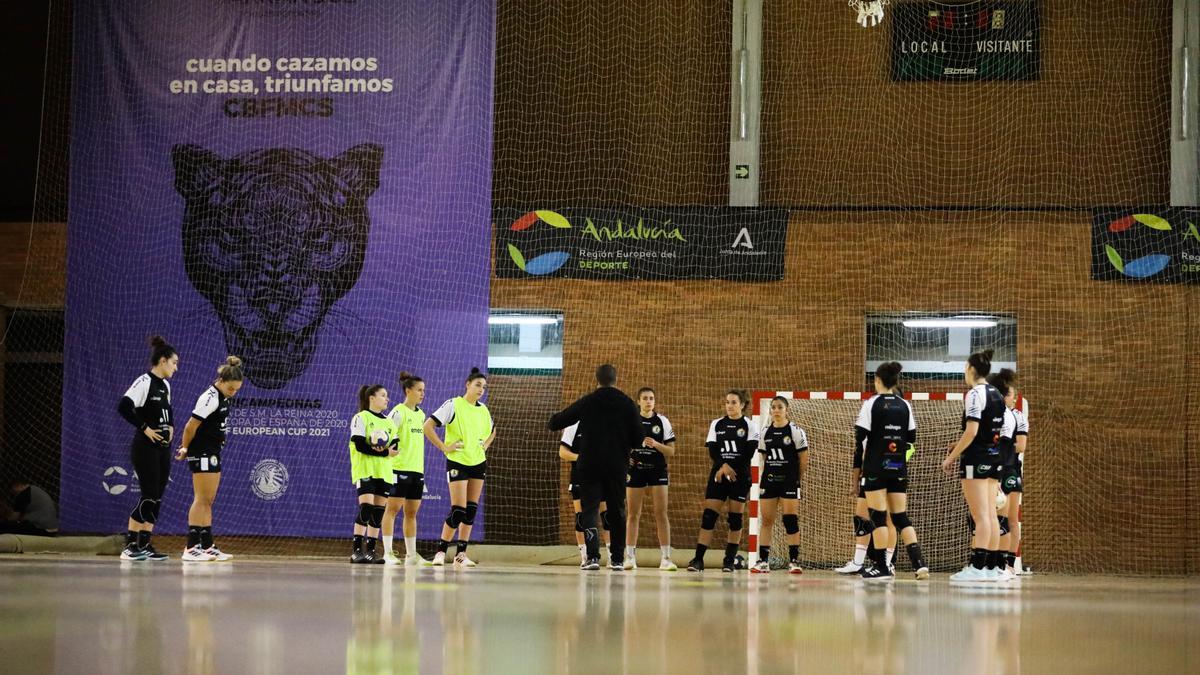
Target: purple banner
(304,185)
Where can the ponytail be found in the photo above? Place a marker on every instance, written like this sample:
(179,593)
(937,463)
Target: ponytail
(365,393)
(159,350)
(231,370)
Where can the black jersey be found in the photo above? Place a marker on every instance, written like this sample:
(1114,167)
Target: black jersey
(212,410)
(659,428)
(781,448)
(149,404)
(733,442)
(884,429)
(1015,424)
(985,405)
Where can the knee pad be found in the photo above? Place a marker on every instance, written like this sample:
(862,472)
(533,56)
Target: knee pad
(364,515)
(862,526)
(377,515)
(457,513)
(791,523)
(144,512)
(579,522)
(734,520)
(901,521)
(604,521)
(469,515)
(879,518)
(1003,525)
(708,519)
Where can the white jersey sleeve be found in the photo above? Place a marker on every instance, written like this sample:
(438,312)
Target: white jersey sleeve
(568,435)
(206,404)
(1022,423)
(712,432)
(753,432)
(668,430)
(912,418)
(974,403)
(358,427)
(864,414)
(1009,428)
(445,414)
(139,390)
(799,438)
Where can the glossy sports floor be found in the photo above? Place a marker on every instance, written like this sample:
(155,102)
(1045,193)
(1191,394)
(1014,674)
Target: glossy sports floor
(96,615)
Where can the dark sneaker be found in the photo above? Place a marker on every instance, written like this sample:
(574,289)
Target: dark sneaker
(590,564)
(728,564)
(132,552)
(875,573)
(358,557)
(696,565)
(153,555)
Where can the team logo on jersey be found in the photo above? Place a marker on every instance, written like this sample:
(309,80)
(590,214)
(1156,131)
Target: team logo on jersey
(116,481)
(891,447)
(453,473)
(741,433)
(269,479)
(656,429)
(787,440)
(545,263)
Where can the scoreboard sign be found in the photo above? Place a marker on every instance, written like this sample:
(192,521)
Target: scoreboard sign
(983,40)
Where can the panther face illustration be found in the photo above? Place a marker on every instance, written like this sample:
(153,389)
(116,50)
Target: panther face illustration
(273,238)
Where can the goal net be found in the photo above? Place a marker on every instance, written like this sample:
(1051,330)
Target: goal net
(826,507)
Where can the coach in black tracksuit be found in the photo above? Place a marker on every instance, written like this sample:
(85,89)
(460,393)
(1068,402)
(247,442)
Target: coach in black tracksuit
(609,421)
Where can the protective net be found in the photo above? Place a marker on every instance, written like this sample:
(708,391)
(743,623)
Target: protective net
(971,196)
(935,502)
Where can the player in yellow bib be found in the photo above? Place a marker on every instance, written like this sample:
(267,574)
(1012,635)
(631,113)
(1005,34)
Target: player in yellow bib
(372,446)
(408,469)
(469,433)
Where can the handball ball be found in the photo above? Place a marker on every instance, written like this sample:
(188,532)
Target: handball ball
(1001,501)
(380,438)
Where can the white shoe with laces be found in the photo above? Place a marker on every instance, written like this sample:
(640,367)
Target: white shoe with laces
(439,559)
(668,565)
(195,554)
(969,573)
(849,568)
(761,567)
(392,559)
(414,560)
(216,554)
(630,562)
(461,560)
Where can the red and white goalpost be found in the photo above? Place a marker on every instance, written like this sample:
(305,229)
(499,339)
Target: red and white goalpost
(826,507)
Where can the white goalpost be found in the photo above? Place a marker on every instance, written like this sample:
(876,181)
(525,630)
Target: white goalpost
(935,501)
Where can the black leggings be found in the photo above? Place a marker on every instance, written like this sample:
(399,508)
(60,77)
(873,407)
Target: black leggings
(153,466)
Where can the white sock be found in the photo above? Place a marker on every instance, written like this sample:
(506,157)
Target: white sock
(582,553)
(666,552)
(608,550)
(888,559)
(410,545)
(860,554)
(631,553)
(387,544)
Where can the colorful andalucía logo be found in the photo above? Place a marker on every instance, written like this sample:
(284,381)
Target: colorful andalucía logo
(1145,266)
(545,263)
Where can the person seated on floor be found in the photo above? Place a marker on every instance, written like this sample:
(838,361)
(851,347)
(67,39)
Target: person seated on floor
(33,511)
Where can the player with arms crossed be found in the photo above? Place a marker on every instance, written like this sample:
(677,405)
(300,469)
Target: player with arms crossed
(648,474)
(372,445)
(731,442)
(784,446)
(147,406)
(203,441)
(408,470)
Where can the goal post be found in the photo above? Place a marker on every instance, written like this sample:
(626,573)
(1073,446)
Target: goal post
(826,509)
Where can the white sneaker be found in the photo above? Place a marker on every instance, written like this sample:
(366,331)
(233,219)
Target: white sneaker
(461,560)
(761,567)
(921,573)
(195,554)
(415,559)
(668,565)
(392,559)
(439,559)
(969,573)
(1004,574)
(794,567)
(216,554)
(849,568)
(630,562)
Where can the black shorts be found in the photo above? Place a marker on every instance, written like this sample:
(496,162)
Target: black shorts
(738,490)
(977,470)
(883,481)
(456,472)
(204,463)
(373,486)
(1011,480)
(779,486)
(408,485)
(647,475)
